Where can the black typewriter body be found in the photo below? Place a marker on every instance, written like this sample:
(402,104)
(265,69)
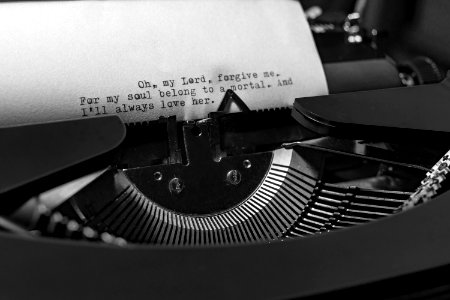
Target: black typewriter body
(334,226)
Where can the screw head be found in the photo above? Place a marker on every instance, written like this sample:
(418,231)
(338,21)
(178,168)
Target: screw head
(176,186)
(247,164)
(158,176)
(234,177)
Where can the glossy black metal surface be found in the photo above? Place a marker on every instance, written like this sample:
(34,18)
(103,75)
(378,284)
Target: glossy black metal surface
(413,241)
(37,157)
(414,113)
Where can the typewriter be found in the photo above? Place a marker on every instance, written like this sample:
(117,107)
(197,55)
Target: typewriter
(341,196)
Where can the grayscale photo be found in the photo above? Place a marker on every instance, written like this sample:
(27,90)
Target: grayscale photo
(225,149)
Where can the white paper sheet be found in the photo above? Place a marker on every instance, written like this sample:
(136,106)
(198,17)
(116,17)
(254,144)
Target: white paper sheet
(146,59)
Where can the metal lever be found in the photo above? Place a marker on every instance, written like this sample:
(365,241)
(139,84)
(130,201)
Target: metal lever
(35,158)
(398,114)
